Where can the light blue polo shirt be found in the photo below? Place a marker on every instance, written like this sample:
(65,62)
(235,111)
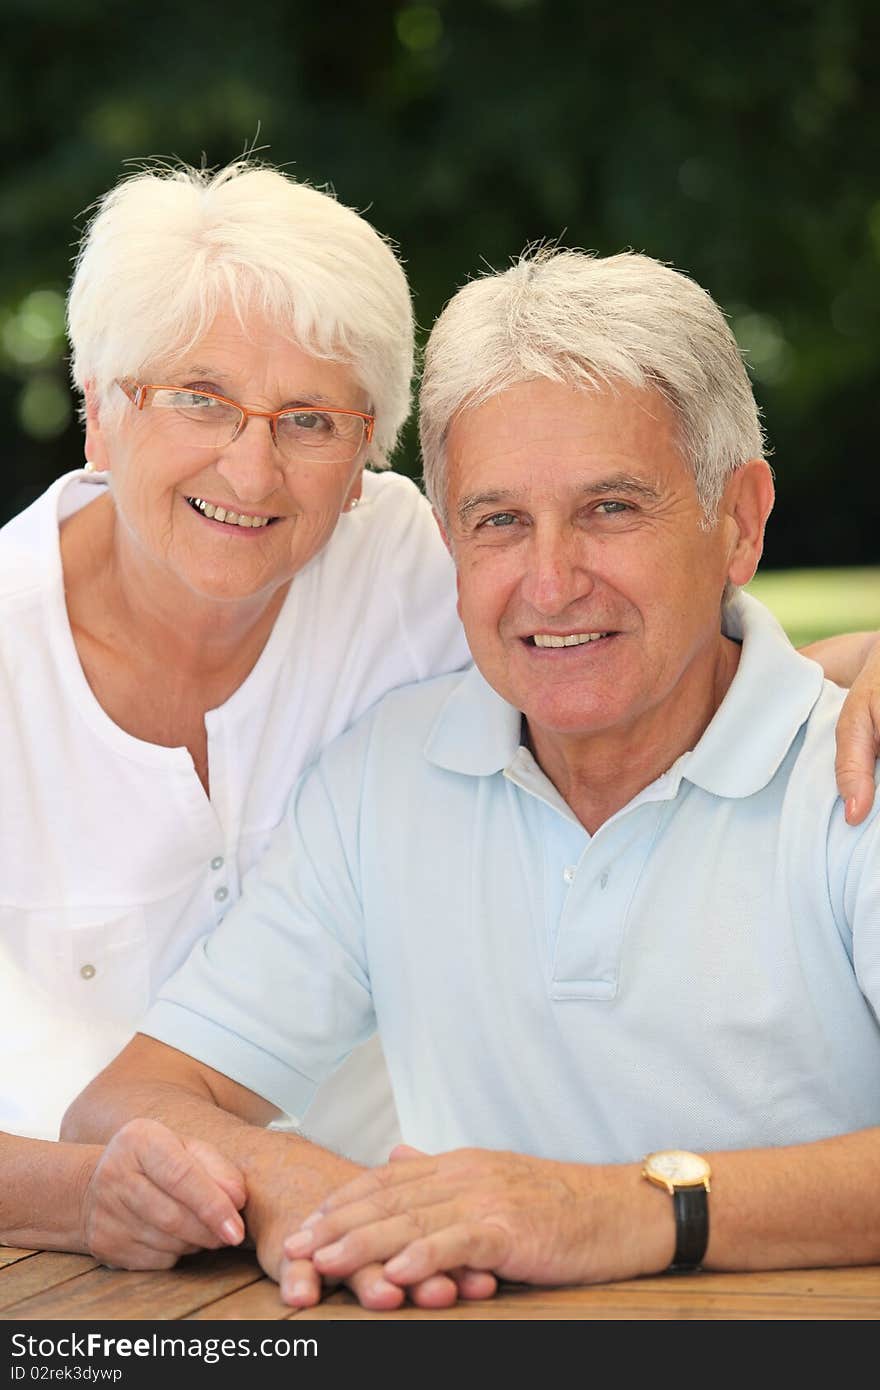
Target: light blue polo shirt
(703,972)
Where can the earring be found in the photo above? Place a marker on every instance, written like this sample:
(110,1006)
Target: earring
(89,467)
(351,504)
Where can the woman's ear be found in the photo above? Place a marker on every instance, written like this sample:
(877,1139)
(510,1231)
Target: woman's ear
(354,492)
(748,501)
(96,451)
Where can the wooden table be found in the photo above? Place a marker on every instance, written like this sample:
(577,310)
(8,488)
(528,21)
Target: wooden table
(230,1285)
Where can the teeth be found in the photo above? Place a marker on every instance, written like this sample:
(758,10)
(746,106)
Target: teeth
(230,518)
(575,639)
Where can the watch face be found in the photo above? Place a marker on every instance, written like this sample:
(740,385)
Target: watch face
(678,1167)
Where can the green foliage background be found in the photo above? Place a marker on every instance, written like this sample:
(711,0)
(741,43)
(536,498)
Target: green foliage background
(738,142)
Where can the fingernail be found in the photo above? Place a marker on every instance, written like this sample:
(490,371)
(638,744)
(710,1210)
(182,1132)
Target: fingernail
(401,1264)
(300,1290)
(233,1230)
(313,1218)
(850,808)
(299,1244)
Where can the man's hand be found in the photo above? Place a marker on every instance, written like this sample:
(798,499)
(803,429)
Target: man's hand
(858,740)
(302,1284)
(154,1196)
(476,1211)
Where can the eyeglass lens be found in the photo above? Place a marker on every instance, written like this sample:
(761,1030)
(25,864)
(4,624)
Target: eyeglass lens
(202,421)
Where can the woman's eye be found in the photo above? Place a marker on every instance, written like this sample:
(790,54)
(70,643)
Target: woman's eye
(187,400)
(613,508)
(197,395)
(312,421)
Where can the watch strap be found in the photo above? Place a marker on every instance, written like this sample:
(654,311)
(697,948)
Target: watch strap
(691,1205)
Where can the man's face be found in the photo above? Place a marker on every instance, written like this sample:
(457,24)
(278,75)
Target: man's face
(589,591)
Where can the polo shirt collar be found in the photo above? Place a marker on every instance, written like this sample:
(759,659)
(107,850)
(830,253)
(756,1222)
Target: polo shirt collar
(476,732)
(771,695)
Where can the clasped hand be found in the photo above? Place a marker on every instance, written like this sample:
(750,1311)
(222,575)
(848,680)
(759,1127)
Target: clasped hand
(476,1215)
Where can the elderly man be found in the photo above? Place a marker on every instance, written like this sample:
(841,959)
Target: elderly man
(598,893)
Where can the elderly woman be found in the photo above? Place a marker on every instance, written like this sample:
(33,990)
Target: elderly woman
(187,621)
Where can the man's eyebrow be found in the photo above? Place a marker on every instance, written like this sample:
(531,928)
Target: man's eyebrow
(621,483)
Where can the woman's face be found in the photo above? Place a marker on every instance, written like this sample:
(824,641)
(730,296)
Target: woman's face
(154,479)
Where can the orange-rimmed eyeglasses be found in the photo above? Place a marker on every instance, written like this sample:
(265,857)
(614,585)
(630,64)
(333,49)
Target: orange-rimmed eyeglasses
(204,420)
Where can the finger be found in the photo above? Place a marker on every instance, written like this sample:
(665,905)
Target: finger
(475,1283)
(146,1209)
(429,1205)
(174,1171)
(854,770)
(219,1167)
(405,1151)
(299,1283)
(374,1181)
(122,1251)
(382,1240)
(477,1246)
(373,1290)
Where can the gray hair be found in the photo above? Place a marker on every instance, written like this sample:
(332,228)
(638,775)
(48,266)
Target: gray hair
(170,246)
(574,317)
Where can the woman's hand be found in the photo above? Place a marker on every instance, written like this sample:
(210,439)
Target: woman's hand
(858,740)
(154,1196)
(854,660)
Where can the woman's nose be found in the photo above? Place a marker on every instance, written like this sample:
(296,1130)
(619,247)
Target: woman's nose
(251,464)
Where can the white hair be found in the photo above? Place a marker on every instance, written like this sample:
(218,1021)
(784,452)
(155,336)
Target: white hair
(589,321)
(170,246)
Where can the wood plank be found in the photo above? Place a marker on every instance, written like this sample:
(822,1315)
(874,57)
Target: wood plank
(258,1301)
(746,1310)
(851,1294)
(157,1294)
(9,1254)
(33,1276)
(712,1307)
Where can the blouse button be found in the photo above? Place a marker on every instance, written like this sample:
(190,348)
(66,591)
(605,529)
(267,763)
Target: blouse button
(217,862)
(221,894)
(87,972)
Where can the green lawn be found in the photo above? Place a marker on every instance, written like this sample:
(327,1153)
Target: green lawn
(819,603)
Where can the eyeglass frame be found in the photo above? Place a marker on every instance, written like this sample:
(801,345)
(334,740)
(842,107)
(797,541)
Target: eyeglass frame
(135,391)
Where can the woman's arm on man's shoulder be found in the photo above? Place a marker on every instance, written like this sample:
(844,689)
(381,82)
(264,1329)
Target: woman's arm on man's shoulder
(853,660)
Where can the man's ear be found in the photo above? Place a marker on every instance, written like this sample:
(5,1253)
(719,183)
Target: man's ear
(442,529)
(96,451)
(747,503)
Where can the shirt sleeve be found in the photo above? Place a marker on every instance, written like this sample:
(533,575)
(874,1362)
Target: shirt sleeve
(278,995)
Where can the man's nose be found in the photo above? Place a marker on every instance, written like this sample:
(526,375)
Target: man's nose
(251,464)
(557,573)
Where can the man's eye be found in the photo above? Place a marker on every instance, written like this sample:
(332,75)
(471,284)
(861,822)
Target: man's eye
(499,519)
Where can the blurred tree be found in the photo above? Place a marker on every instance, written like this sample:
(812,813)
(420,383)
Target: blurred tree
(738,143)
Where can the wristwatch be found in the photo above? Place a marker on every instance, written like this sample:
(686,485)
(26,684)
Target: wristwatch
(685,1176)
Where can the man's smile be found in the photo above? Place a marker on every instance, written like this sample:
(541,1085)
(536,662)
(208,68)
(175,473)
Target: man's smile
(568,639)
